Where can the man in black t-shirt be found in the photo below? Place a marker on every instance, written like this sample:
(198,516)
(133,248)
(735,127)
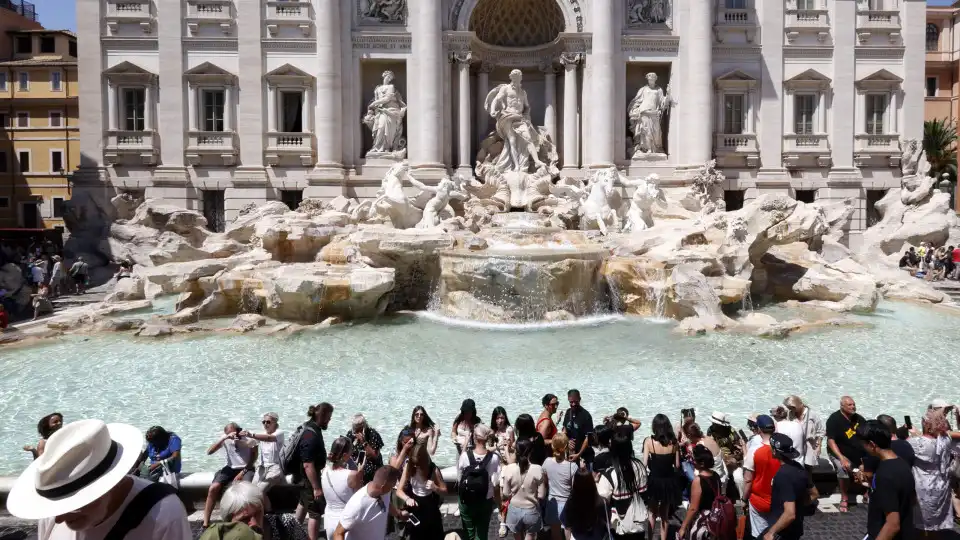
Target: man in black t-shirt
(890,515)
(578,425)
(846,452)
(313,457)
(789,491)
(901,448)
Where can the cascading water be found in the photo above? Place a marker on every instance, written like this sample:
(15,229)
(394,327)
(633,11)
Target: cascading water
(746,303)
(249,300)
(657,293)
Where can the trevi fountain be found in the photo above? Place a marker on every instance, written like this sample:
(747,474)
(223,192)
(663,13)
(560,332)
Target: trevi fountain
(501,285)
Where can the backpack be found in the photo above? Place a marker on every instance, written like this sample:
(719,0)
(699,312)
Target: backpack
(290,453)
(722,519)
(135,512)
(475,482)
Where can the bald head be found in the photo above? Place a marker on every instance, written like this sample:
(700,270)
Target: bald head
(848,406)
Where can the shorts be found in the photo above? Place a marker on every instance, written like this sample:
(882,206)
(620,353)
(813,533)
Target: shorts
(524,520)
(314,507)
(268,476)
(842,473)
(552,514)
(226,476)
(759,521)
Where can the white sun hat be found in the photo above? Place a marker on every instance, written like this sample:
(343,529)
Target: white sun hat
(81,462)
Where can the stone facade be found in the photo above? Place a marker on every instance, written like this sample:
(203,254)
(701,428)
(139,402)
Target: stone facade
(182,102)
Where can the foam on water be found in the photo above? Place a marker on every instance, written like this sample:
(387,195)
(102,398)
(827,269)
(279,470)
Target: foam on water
(594,320)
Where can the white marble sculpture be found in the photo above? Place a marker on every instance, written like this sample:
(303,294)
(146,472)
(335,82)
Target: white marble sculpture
(647,193)
(641,12)
(384,117)
(916,182)
(437,206)
(646,112)
(598,210)
(508,105)
(387,11)
(705,190)
(392,205)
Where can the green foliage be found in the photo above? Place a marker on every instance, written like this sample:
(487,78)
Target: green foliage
(940,146)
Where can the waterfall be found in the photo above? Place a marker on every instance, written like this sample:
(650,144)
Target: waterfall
(746,303)
(249,301)
(657,291)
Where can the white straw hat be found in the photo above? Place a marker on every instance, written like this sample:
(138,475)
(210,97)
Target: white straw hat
(720,419)
(81,462)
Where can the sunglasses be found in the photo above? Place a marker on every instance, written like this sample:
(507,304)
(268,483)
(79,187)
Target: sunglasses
(267,422)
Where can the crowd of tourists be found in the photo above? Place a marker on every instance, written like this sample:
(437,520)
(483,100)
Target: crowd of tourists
(932,263)
(561,475)
(45,274)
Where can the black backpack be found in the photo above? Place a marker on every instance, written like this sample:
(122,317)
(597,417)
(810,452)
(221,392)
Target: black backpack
(475,481)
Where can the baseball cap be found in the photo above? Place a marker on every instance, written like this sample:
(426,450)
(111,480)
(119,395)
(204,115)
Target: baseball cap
(782,445)
(765,422)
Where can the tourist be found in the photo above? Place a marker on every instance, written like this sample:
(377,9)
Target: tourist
(339,482)
(367,441)
(812,427)
(41,301)
(478,482)
(503,431)
(955,259)
(36,273)
(525,486)
(760,467)
(424,429)
(313,458)
(922,254)
(405,443)
(545,424)
(846,452)
(890,512)
(422,488)
(525,429)
(560,472)
(623,486)
(163,449)
(365,515)
(687,417)
(79,488)
(901,447)
(601,458)
(704,490)
(245,503)
(906,262)
(79,272)
(790,492)
(790,427)
(463,425)
(269,471)
(47,426)
(621,421)
(241,454)
(585,515)
(123,272)
(56,277)
(661,455)
(697,438)
(578,425)
(931,473)
(731,449)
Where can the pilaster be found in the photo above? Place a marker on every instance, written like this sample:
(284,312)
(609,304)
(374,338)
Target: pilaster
(845,105)
(329,108)
(91,88)
(771,91)
(425,111)
(250,107)
(169,120)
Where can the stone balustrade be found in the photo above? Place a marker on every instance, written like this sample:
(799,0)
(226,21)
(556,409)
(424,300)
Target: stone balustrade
(290,144)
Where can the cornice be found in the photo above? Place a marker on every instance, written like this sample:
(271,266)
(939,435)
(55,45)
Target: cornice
(648,43)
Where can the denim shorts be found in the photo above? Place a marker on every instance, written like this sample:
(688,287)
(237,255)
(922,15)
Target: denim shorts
(524,520)
(553,511)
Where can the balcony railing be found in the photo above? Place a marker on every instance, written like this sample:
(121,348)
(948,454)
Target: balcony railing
(289,13)
(813,19)
(878,21)
(138,143)
(807,143)
(736,144)
(25,9)
(210,10)
(221,144)
(881,144)
(132,11)
(289,144)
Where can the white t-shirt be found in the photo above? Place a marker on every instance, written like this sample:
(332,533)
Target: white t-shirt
(166,521)
(238,451)
(336,490)
(493,468)
(270,450)
(794,430)
(365,517)
(37,273)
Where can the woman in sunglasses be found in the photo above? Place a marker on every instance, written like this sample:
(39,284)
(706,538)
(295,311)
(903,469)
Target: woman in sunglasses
(268,472)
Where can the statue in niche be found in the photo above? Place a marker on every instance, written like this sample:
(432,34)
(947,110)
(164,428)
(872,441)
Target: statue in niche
(388,11)
(646,114)
(640,12)
(385,119)
(508,105)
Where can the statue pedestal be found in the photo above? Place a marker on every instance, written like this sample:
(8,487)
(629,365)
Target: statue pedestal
(377,165)
(643,164)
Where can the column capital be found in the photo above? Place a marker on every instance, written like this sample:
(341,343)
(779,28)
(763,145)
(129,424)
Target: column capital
(571,60)
(485,67)
(548,67)
(461,57)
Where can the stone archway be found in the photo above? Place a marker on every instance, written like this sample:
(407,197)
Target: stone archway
(462,12)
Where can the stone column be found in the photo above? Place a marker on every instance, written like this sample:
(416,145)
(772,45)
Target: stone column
(604,60)
(113,105)
(249,122)
(305,111)
(483,88)
(228,108)
(772,97)
(550,100)
(847,118)
(425,112)
(697,143)
(329,111)
(271,109)
(168,122)
(571,113)
(148,106)
(192,96)
(463,119)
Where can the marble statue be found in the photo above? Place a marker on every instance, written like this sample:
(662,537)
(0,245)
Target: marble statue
(598,210)
(640,12)
(388,11)
(705,190)
(916,184)
(385,119)
(646,194)
(508,105)
(392,205)
(443,193)
(645,112)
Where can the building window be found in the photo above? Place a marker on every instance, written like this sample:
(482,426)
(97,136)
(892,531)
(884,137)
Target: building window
(733,199)
(134,107)
(804,112)
(4,202)
(72,49)
(3,81)
(932,86)
(806,195)
(876,111)
(56,161)
(3,162)
(292,198)
(875,5)
(735,4)
(24,80)
(933,37)
(213,103)
(806,5)
(291,112)
(23,119)
(24,44)
(48,44)
(58,207)
(214,209)
(56,119)
(24,157)
(733,114)
(873,197)
(55,80)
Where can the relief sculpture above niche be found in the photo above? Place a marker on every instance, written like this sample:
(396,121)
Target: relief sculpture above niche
(383,11)
(647,12)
